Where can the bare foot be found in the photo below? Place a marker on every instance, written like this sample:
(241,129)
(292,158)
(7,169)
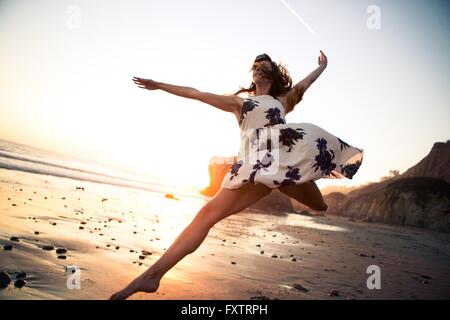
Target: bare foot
(142,283)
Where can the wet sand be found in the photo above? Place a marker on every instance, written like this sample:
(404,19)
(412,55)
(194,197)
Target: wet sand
(113,234)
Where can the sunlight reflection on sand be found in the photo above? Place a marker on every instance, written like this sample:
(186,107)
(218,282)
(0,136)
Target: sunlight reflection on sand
(312,223)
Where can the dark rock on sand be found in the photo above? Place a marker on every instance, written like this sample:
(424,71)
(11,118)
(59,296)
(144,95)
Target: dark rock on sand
(48,247)
(333,293)
(299,287)
(260,298)
(21,275)
(7,247)
(16,239)
(5,279)
(61,250)
(20,283)
(62,257)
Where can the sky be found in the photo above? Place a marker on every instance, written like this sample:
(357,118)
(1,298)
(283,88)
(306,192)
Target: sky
(66,70)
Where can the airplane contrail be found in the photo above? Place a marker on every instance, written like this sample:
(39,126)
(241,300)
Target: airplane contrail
(307,26)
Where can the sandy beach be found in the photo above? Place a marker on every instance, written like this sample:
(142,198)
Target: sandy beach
(113,234)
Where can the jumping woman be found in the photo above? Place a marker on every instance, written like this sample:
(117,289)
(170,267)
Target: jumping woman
(273,154)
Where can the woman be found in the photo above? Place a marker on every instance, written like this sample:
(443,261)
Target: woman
(273,154)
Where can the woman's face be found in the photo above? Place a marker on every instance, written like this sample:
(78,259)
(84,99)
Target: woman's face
(262,71)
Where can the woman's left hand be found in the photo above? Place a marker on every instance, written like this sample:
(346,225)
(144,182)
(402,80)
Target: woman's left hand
(322,60)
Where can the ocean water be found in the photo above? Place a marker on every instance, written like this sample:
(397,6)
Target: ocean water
(20,157)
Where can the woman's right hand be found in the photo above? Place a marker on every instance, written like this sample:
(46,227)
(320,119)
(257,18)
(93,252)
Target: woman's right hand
(322,60)
(146,83)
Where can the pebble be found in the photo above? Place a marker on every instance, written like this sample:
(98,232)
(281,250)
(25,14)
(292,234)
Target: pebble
(21,274)
(232,262)
(7,247)
(19,283)
(260,298)
(36,232)
(16,239)
(48,247)
(61,250)
(274,256)
(333,293)
(142,257)
(5,279)
(61,256)
(300,287)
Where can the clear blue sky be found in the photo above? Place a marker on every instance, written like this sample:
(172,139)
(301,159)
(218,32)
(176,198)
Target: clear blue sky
(66,69)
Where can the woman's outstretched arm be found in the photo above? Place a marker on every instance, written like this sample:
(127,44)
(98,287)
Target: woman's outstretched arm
(223,102)
(296,93)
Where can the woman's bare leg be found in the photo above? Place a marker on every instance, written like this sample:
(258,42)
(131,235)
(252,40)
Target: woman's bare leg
(307,193)
(225,203)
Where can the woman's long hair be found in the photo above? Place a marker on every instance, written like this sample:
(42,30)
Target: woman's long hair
(282,81)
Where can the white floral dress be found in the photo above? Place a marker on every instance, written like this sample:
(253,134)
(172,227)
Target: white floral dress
(276,153)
